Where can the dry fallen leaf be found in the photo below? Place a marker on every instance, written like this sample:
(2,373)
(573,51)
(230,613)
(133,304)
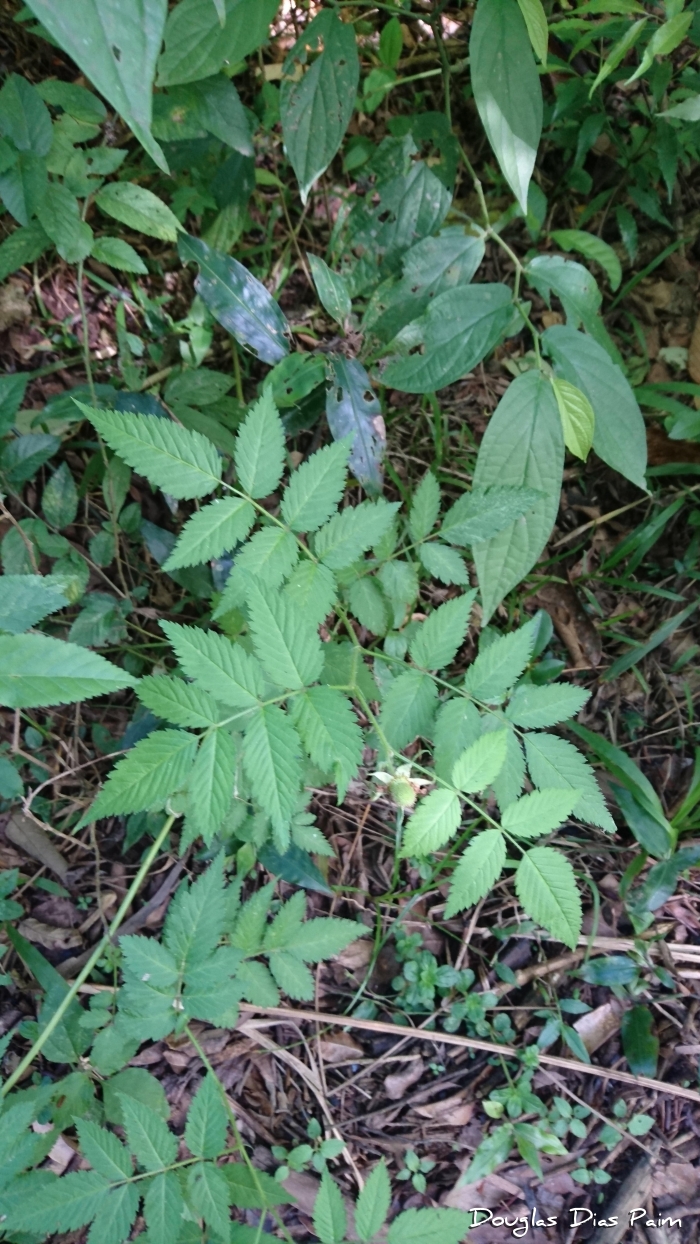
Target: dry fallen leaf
(452,1111)
(395,1086)
(595,1027)
(47,935)
(339,1049)
(489,1192)
(34,841)
(675,1184)
(572,624)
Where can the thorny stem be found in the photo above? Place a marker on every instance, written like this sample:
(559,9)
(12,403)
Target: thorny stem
(96,955)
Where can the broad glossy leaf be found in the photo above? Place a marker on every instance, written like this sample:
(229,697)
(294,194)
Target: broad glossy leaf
(217,108)
(459,329)
(431,267)
(352,409)
(523,446)
(592,247)
(238,300)
(619,438)
(22,246)
(115,43)
(573,285)
(197,45)
(317,99)
(507,90)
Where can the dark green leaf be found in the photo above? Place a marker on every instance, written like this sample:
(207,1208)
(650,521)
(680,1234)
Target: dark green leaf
(352,409)
(639,1042)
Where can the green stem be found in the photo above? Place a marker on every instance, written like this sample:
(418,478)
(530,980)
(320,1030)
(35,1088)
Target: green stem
(96,955)
(86,343)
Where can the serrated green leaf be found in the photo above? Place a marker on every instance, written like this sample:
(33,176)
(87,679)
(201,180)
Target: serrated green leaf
(481,763)
(500,664)
(216,529)
(205,1130)
(292,976)
(430,1226)
(349,534)
(507,90)
(27,598)
(104,1151)
(211,783)
(484,512)
(317,99)
(59,500)
(322,938)
(577,417)
(477,871)
(183,463)
(39,670)
(330,1219)
(145,958)
(312,588)
(287,643)
(256,984)
(259,456)
(457,726)
(523,446)
(148,1136)
(425,507)
(537,707)
(42,1204)
(269,556)
(399,582)
(315,488)
(433,823)
(208,1193)
(286,923)
(253,1190)
(408,708)
(271,755)
(373,1203)
(195,918)
(152,770)
(117,253)
(444,564)
(546,887)
(113,1222)
(162,1207)
(510,781)
(557,763)
(442,634)
(251,922)
(369,605)
(329,731)
(223,669)
(139,209)
(178,702)
(539,812)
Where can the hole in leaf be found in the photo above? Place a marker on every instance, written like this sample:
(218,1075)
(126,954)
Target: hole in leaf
(116,52)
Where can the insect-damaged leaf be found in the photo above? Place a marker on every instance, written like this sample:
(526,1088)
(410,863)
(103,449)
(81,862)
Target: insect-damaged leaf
(353,410)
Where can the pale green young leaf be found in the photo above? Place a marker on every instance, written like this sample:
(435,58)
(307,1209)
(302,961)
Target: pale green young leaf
(312,588)
(457,726)
(546,887)
(430,1226)
(211,783)
(444,564)
(38,670)
(287,643)
(259,455)
(292,976)
(223,669)
(665,39)
(485,512)
(577,418)
(195,918)
(205,1130)
(408,708)
(208,1193)
(536,22)
(153,769)
(537,707)
(145,958)
(433,823)
(256,984)
(330,1219)
(373,1203)
(329,731)
(286,923)
(555,762)
(251,922)
(500,665)
(539,812)
(162,1207)
(104,1151)
(331,288)
(618,52)
(216,529)
(481,763)
(272,760)
(507,90)
(369,605)
(354,530)
(148,1136)
(523,446)
(178,702)
(316,488)
(425,507)
(183,463)
(477,871)
(442,634)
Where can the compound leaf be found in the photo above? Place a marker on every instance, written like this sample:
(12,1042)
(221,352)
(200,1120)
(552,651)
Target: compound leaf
(554,762)
(259,455)
(442,634)
(433,823)
(477,871)
(315,488)
(225,670)
(546,887)
(152,770)
(209,533)
(38,670)
(183,463)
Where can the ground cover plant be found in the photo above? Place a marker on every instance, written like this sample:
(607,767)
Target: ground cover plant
(349,539)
